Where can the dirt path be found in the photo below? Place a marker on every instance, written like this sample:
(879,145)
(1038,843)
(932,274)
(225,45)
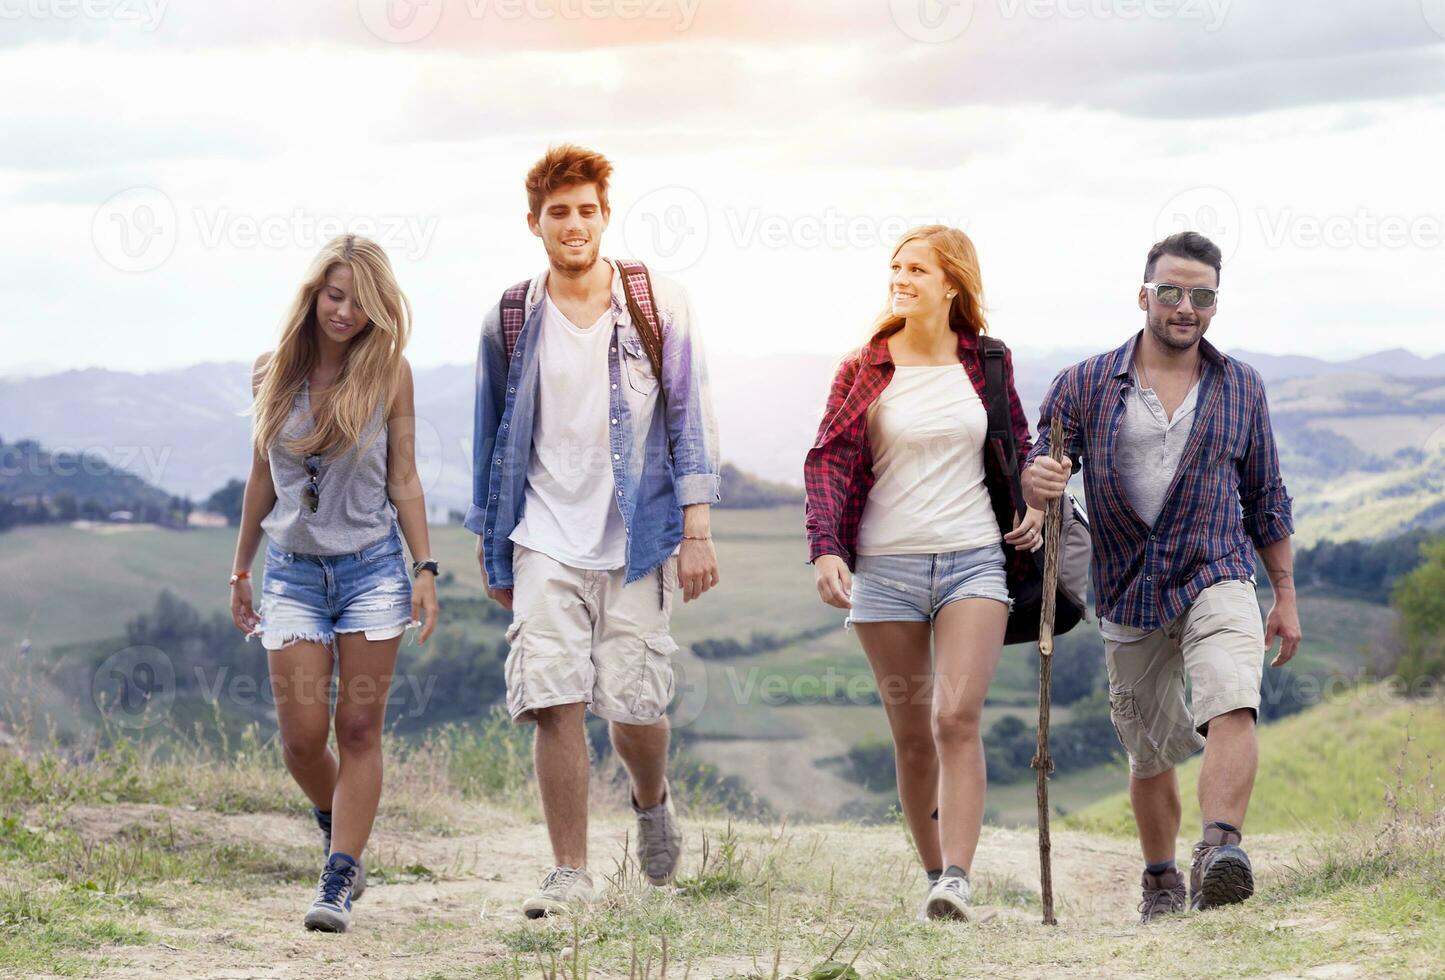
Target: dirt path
(460,923)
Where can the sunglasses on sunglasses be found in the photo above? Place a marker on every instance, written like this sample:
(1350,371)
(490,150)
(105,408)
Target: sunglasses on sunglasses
(311,493)
(1200,297)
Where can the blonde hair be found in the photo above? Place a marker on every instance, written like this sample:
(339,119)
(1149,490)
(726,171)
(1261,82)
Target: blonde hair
(956,254)
(373,357)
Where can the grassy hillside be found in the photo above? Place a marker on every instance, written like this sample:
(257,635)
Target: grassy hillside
(1335,765)
(201,867)
(1361,453)
(67,586)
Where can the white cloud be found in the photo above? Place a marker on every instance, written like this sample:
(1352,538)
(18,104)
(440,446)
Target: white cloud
(807,143)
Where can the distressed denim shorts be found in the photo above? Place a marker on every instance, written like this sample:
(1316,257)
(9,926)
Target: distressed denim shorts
(314,597)
(913,588)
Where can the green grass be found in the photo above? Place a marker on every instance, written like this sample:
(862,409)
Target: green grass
(1330,767)
(77,897)
(44,930)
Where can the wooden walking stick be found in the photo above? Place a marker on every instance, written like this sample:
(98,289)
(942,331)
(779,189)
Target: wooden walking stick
(1043,763)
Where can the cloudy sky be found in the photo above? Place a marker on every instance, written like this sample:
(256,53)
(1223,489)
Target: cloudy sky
(168,167)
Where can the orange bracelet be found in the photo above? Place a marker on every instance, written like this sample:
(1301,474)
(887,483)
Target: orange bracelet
(245,573)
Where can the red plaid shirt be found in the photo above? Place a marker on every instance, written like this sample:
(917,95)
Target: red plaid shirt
(838,473)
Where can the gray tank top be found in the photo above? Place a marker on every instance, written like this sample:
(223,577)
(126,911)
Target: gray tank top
(354,511)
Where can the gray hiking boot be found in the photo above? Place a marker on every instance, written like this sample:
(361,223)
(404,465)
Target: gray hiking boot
(563,890)
(331,911)
(659,841)
(949,898)
(323,823)
(1221,873)
(1163,895)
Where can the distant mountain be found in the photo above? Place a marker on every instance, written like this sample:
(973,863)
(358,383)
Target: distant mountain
(1364,426)
(38,485)
(1398,363)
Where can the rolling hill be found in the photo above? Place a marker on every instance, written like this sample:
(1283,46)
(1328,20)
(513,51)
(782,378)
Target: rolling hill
(1361,440)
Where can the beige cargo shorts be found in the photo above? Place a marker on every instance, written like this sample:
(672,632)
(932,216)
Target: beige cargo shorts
(1218,643)
(579,635)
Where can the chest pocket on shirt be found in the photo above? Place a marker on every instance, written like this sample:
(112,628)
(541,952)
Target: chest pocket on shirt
(637,366)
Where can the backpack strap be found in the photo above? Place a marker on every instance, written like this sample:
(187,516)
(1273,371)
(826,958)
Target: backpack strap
(514,314)
(1000,424)
(642,306)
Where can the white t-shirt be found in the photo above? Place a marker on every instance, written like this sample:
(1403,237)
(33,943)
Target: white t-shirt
(571,510)
(927,430)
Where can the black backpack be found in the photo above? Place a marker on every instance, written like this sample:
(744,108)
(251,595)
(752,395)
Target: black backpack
(1026,569)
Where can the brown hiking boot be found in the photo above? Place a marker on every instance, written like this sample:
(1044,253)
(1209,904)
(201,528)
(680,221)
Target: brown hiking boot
(1163,894)
(1221,874)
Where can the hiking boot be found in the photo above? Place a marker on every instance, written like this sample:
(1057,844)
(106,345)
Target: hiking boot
(1163,895)
(948,899)
(323,823)
(1221,874)
(659,842)
(331,911)
(563,890)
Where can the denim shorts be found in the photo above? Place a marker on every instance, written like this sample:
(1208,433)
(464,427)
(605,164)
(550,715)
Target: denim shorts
(913,588)
(314,597)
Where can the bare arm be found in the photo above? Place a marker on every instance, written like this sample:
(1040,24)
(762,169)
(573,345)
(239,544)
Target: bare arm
(1283,620)
(256,503)
(403,486)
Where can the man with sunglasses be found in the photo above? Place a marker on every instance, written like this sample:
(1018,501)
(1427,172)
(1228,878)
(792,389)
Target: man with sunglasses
(1183,484)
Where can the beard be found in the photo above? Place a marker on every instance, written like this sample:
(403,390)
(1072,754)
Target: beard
(567,262)
(1160,328)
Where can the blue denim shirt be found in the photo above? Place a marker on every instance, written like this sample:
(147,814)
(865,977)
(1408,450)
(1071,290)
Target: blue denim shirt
(660,465)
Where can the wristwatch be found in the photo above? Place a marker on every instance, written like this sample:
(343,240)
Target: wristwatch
(417,567)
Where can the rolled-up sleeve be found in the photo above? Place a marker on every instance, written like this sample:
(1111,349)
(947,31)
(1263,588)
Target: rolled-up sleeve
(490,401)
(1061,402)
(1267,511)
(691,422)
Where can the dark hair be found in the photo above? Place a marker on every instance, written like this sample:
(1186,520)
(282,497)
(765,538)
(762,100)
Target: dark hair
(1185,245)
(564,166)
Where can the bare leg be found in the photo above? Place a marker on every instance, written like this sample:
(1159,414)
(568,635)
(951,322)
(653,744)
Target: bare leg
(1157,813)
(643,750)
(1231,758)
(899,656)
(560,754)
(967,641)
(365,681)
(301,687)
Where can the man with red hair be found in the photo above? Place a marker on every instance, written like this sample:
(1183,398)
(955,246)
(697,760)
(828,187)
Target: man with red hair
(595,465)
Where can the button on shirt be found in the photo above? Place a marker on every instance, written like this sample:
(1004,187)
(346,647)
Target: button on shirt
(1151,444)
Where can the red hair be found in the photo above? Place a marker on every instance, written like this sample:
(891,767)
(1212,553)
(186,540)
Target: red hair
(565,166)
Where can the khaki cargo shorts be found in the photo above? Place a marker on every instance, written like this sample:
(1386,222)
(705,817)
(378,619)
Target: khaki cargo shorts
(579,635)
(1219,643)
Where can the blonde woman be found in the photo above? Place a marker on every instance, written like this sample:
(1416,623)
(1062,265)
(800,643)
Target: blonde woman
(332,475)
(909,511)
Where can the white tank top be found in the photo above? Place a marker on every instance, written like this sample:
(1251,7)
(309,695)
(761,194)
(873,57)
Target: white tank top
(927,431)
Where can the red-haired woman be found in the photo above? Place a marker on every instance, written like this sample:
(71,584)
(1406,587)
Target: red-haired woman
(904,533)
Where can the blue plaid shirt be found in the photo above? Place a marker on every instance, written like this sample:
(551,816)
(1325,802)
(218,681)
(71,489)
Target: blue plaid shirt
(1227,497)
